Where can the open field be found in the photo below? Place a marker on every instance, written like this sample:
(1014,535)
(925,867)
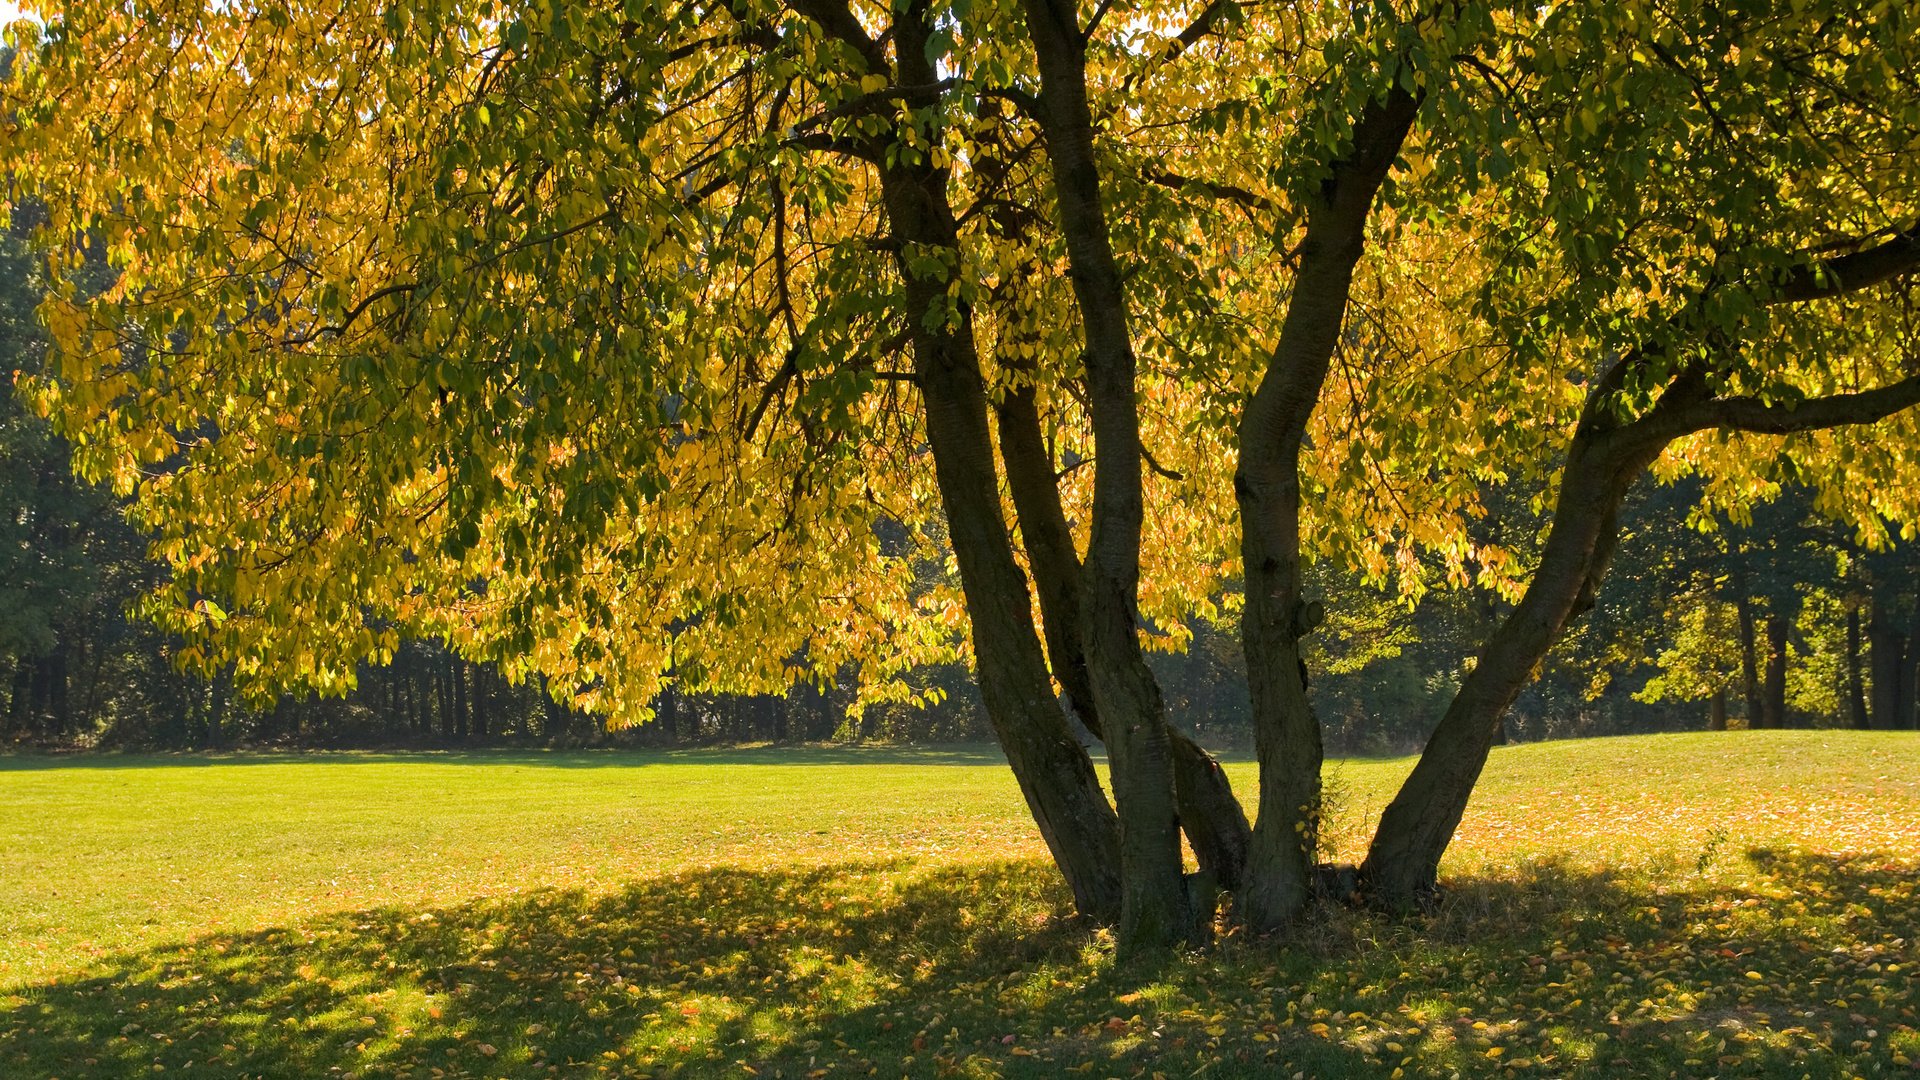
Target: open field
(1733,904)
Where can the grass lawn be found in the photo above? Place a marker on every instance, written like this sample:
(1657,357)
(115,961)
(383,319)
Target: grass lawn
(1734,904)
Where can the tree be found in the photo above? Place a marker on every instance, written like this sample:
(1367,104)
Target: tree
(574,336)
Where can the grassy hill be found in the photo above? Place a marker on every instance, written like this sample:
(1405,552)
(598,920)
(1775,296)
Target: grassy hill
(1742,903)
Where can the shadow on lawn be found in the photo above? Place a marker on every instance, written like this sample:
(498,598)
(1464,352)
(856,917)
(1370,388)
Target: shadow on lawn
(927,972)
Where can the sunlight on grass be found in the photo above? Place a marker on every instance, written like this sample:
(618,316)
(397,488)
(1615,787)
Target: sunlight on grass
(1618,907)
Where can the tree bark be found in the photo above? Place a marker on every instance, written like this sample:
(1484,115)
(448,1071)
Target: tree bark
(1215,824)
(1403,862)
(1053,770)
(1750,661)
(1717,710)
(1267,486)
(1156,908)
(1856,684)
(1773,702)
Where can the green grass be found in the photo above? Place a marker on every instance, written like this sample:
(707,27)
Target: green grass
(1740,904)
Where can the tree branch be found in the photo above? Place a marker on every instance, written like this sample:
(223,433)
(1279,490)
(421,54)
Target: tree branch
(1247,200)
(876,101)
(1201,27)
(1820,278)
(839,22)
(1837,410)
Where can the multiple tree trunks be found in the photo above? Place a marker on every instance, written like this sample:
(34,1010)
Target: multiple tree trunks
(1089,608)
(1054,772)
(1215,825)
(38,701)
(1126,866)
(1156,906)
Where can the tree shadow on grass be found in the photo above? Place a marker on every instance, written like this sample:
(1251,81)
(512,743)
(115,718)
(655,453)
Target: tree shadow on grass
(1797,966)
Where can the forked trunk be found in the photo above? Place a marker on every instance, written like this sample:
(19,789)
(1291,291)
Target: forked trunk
(1156,909)
(1211,816)
(1053,770)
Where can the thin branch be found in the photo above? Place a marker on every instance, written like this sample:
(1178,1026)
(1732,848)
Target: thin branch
(1147,456)
(1248,200)
(867,104)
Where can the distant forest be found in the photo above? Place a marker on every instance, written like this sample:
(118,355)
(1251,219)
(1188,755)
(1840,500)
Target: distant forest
(1784,621)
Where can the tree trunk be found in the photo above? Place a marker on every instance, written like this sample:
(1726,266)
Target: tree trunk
(1750,661)
(1215,825)
(1156,908)
(1053,770)
(20,700)
(1267,485)
(776,717)
(416,694)
(1403,863)
(395,721)
(558,719)
(1856,684)
(1773,703)
(38,697)
(1904,703)
(462,705)
(444,693)
(1717,710)
(667,714)
(482,680)
(59,700)
(217,706)
(1885,658)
